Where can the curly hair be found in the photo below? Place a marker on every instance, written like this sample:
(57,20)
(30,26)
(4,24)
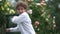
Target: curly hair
(21,4)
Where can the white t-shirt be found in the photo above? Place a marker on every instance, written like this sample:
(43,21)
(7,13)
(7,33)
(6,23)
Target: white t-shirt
(24,25)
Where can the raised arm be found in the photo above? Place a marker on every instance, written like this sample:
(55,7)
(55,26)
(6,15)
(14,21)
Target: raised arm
(18,19)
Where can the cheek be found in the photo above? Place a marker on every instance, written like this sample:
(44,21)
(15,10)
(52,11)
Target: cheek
(20,11)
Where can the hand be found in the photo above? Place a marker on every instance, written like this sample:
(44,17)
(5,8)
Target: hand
(7,30)
(14,16)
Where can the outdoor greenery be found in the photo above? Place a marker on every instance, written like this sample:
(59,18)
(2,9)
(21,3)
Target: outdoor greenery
(45,17)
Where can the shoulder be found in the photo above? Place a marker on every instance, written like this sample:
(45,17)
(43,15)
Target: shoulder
(22,15)
(25,14)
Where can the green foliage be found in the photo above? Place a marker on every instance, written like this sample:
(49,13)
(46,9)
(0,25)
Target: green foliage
(46,27)
(36,16)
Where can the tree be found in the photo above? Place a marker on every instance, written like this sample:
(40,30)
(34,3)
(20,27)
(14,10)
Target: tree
(43,16)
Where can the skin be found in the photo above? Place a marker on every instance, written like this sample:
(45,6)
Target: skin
(20,11)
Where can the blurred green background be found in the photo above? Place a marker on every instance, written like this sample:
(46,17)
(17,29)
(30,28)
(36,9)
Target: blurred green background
(45,15)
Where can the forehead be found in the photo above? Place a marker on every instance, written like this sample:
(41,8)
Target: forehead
(20,7)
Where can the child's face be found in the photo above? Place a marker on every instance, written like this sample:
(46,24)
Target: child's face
(20,10)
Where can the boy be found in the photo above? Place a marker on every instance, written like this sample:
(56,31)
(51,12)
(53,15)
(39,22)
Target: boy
(23,21)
